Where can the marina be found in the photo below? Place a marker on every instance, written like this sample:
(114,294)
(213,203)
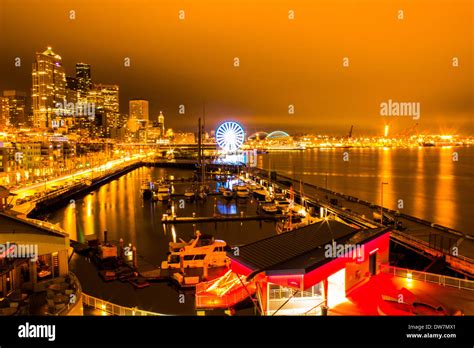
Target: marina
(219,166)
(238,221)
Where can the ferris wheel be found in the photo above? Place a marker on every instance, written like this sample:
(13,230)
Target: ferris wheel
(230,136)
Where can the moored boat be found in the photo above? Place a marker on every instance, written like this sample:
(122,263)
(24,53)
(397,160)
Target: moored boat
(260,194)
(147,189)
(163,193)
(203,251)
(189,194)
(282,204)
(242,191)
(269,208)
(228,194)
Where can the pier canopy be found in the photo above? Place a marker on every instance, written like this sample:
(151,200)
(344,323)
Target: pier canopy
(276,135)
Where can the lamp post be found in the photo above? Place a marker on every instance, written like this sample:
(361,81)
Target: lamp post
(381,200)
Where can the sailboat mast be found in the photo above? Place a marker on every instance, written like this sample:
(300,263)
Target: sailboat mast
(199,143)
(202,149)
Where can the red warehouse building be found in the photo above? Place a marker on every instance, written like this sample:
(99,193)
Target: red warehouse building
(304,271)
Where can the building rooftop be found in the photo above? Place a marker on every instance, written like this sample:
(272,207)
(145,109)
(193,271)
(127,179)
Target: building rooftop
(15,225)
(300,250)
(49,52)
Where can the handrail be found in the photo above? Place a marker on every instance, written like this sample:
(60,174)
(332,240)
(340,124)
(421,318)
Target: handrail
(428,277)
(284,303)
(114,309)
(319,304)
(428,245)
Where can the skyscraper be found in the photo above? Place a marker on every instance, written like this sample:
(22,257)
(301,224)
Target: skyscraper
(4,112)
(138,109)
(83,76)
(49,88)
(161,123)
(110,96)
(16,107)
(72,94)
(96,121)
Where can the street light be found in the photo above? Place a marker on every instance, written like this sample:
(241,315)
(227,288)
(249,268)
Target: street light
(381,200)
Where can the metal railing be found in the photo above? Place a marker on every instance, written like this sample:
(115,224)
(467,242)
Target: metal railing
(114,309)
(428,277)
(425,244)
(315,308)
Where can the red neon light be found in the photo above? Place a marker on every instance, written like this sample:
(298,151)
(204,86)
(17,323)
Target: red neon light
(238,268)
(380,243)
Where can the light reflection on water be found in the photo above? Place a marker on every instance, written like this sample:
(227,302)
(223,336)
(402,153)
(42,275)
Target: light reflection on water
(119,208)
(431,185)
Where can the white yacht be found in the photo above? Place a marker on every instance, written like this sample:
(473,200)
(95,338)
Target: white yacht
(201,251)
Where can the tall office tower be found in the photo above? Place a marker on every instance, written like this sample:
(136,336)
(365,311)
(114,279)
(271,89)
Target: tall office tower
(49,88)
(96,120)
(161,123)
(138,110)
(17,107)
(4,112)
(110,96)
(83,77)
(122,120)
(72,93)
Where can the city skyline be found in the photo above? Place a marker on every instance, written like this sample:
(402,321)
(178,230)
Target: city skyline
(271,86)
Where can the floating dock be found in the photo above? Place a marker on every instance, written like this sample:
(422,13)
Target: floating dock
(219,218)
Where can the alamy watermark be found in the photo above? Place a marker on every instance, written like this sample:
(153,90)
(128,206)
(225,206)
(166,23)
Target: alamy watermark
(351,251)
(75,109)
(28,330)
(19,251)
(394,108)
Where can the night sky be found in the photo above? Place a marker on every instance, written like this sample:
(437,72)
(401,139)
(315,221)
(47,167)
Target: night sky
(282,61)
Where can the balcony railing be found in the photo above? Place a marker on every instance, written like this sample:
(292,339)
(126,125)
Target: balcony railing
(114,309)
(428,277)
